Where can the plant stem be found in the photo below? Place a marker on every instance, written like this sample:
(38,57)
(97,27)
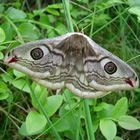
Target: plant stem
(16,29)
(86,107)
(44,112)
(59,120)
(67,15)
(38,2)
(89,123)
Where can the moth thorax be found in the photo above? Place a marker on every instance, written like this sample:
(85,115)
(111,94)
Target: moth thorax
(77,41)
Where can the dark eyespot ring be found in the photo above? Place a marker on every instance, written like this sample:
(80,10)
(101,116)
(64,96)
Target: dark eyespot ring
(110,68)
(37,53)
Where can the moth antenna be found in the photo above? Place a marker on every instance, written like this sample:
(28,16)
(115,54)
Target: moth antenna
(58,91)
(77,29)
(82,31)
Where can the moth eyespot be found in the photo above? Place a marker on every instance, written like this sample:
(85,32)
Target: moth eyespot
(110,68)
(37,53)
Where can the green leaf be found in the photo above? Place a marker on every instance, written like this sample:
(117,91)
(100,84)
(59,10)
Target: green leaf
(4,91)
(50,104)
(53,104)
(104,110)
(135,10)
(9,31)
(129,122)
(18,74)
(21,84)
(6,77)
(120,108)
(64,125)
(2,35)
(1,56)
(35,123)
(44,19)
(55,6)
(83,1)
(3,95)
(101,19)
(118,138)
(113,2)
(69,123)
(60,28)
(108,129)
(2,47)
(101,106)
(52,11)
(38,12)
(41,94)
(23,130)
(29,31)
(139,22)
(134,2)
(14,13)
(1,8)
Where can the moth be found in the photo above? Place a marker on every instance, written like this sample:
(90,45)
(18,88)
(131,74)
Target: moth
(73,61)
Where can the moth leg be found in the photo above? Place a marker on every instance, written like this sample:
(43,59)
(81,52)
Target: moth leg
(59,91)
